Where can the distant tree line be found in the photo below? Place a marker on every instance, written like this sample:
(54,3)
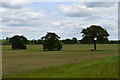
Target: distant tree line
(39,41)
(65,41)
(106,42)
(70,41)
(94,34)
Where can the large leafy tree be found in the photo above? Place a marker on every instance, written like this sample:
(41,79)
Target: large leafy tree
(94,33)
(18,42)
(51,42)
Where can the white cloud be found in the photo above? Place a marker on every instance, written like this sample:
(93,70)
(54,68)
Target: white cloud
(35,23)
(104,14)
(82,10)
(22,17)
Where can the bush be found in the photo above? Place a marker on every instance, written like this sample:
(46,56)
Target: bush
(18,42)
(51,42)
(19,46)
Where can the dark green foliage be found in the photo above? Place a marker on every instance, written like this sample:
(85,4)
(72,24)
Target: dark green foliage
(18,42)
(74,40)
(114,42)
(33,41)
(6,41)
(94,34)
(70,41)
(51,42)
(67,41)
(7,38)
(85,40)
(39,41)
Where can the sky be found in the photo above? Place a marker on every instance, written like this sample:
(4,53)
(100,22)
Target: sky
(67,19)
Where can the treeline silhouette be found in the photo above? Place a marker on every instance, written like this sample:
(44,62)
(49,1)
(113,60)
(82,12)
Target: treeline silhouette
(94,34)
(64,41)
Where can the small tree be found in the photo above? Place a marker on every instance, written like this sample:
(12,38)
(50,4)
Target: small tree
(51,42)
(94,33)
(18,42)
(74,40)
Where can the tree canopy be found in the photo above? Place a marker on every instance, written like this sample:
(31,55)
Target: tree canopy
(94,33)
(51,42)
(70,41)
(18,42)
(74,40)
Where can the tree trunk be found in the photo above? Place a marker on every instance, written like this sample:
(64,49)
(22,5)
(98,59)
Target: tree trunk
(94,44)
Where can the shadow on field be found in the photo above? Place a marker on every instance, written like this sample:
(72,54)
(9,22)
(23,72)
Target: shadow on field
(52,50)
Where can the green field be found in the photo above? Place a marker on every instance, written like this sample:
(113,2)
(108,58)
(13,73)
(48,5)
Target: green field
(74,61)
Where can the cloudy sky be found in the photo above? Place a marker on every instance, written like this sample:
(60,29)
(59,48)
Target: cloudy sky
(67,19)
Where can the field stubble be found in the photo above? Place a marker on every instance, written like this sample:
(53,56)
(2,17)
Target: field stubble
(21,61)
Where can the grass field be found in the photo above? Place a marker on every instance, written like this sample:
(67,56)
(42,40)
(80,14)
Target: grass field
(74,61)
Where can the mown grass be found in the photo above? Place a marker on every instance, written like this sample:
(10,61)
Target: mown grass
(74,61)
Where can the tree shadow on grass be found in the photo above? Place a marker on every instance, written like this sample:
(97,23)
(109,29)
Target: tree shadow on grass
(107,50)
(13,49)
(52,50)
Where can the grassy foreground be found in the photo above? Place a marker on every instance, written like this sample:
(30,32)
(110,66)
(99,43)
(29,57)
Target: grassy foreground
(74,61)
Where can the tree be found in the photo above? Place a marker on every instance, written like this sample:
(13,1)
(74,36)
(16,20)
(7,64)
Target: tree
(51,42)
(39,41)
(33,41)
(95,33)
(18,42)
(70,41)
(74,40)
(67,41)
(6,41)
(7,38)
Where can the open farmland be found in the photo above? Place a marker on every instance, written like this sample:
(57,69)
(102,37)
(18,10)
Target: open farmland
(73,61)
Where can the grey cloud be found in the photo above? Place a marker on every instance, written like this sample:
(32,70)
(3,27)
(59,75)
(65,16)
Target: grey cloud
(99,4)
(89,9)
(75,14)
(35,24)
(9,5)
(20,24)
(18,18)
(14,4)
